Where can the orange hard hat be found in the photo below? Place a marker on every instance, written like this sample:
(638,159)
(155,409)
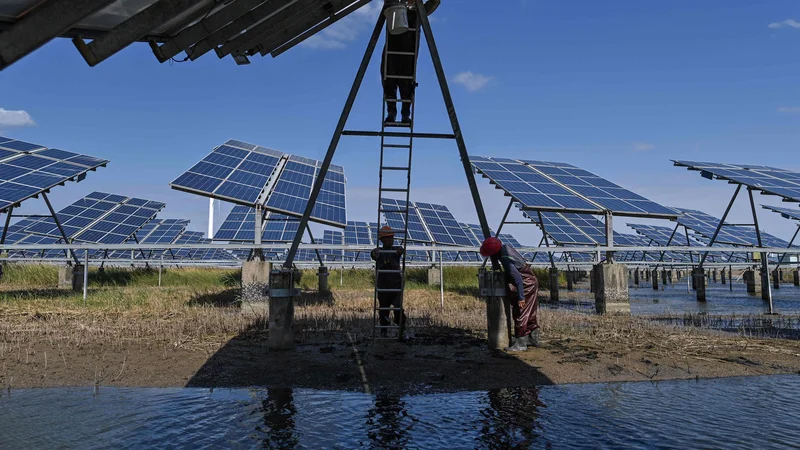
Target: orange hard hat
(385,231)
(491,246)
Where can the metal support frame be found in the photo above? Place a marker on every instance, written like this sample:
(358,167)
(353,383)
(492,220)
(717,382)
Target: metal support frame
(48,20)
(8,222)
(457,134)
(258,252)
(317,28)
(609,236)
(505,216)
(60,228)
(764,255)
(780,261)
(311,236)
(721,222)
(133,29)
(546,241)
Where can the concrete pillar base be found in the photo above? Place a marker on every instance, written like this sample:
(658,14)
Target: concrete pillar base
(722,276)
(322,274)
(255,279)
(654,277)
(571,280)
(776,279)
(498,314)
(714,275)
(796,277)
(764,285)
(591,281)
(434,276)
(256,272)
(554,296)
(611,289)
(664,278)
(71,277)
(636,277)
(699,281)
(281,310)
(753,285)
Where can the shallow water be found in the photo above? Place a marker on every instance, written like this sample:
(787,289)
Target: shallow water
(756,412)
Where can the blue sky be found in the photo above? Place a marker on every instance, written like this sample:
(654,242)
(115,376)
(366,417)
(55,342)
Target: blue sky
(618,88)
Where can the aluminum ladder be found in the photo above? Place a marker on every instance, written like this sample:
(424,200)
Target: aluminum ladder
(396,155)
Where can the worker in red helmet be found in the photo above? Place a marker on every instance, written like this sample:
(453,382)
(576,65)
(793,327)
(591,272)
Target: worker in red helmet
(522,292)
(388,258)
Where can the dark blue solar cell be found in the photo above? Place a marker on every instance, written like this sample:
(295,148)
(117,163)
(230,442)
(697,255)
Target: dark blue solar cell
(211,170)
(6,153)
(30,162)
(237,191)
(137,202)
(232,151)
(63,169)
(125,209)
(9,172)
(39,180)
(15,192)
(248,178)
(115,198)
(56,153)
(199,183)
(222,160)
(20,146)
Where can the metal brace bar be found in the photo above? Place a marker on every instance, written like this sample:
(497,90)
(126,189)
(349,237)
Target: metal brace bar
(9,213)
(60,228)
(721,222)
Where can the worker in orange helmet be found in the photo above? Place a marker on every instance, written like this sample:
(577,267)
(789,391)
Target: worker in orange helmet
(389,258)
(522,292)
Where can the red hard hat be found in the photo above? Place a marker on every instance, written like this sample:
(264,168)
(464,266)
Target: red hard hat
(385,231)
(491,246)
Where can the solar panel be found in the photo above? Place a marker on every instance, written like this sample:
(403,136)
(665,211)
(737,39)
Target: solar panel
(705,225)
(240,224)
(187,237)
(416,228)
(358,233)
(251,175)
(572,229)
(786,213)
(770,180)
(99,218)
(330,237)
(27,169)
(551,186)
(443,227)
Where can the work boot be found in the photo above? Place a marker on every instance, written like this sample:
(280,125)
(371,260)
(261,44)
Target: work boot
(391,118)
(533,338)
(406,119)
(520,345)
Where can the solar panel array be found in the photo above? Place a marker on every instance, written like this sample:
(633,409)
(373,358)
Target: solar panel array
(770,180)
(359,233)
(395,219)
(572,228)
(99,218)
(240,224)
(27,169)
(443,227)
(705,225)
(551,186)
(249,175)
(787,213)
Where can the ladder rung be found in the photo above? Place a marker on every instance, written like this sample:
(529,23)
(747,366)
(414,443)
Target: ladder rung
(387,327)
(398,124)
(394,189)
(388,309)
(395,168)
(396,146)
(399,77)
(390,271)
(389,52)
(387,251)
(402,100)
(388,290)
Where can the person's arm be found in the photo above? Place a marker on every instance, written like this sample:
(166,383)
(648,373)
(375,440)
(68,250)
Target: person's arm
(511,269)
(400,250)
(431,5)
(374,254)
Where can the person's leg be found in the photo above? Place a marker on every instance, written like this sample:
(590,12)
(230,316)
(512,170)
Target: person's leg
(406,93)
(390,92)
(384,301)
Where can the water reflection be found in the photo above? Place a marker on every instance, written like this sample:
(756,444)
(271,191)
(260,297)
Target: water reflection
(279,422)
(388,423)
(510,418)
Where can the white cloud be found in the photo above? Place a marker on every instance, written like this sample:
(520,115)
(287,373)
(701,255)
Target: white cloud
(643,146)
(791,23)
(347,30)
(12,118)
(789,109)
(472,81)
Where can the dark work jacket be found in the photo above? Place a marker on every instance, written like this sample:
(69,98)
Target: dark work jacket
(388,261)
(406,42)
(512,263)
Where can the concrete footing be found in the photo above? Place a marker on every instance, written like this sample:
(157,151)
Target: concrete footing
(434,276)
(796,277)
(281,310)
(714,276)
(776,279)
(699,282)
(654,277)
(571,280)
(636,277)
(322,274)
(664,278)
(764,285)
(751,280)
(255,279)
(71,277)
(722,276)
(553,284)
(498,314)
(611,289)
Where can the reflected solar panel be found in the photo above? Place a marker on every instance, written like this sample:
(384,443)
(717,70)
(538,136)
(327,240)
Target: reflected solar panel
(770,180)
(786,213)
(100,218)
(551,186)
(443,227)
(248,175)
(27,169)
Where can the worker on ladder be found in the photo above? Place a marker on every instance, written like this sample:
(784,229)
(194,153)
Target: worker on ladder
(522,289)
(389,284)
(401,64)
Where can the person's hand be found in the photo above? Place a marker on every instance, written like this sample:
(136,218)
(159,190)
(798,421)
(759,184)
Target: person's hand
(521,303)
(400,250)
